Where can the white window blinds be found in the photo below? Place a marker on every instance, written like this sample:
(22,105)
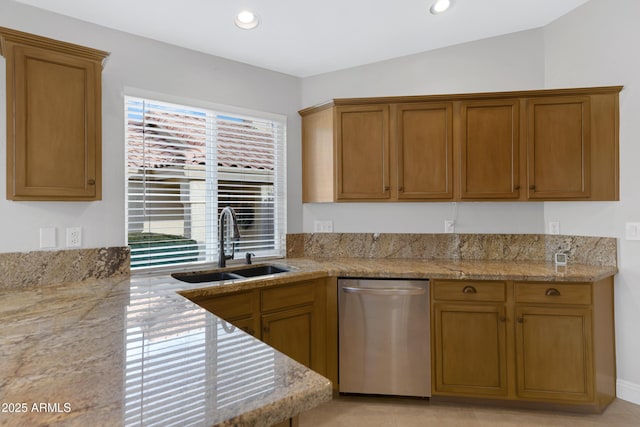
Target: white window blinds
(184,165)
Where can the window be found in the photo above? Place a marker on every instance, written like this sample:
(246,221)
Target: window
(184,165)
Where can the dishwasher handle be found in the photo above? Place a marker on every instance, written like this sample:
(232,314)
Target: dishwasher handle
(384,291)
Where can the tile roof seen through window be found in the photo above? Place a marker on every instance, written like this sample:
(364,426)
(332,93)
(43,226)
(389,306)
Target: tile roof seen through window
(174,139)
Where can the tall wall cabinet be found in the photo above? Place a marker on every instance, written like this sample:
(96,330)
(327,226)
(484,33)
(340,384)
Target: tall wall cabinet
(53,118)
(528,145)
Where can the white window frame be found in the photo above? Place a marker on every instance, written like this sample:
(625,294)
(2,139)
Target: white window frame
(279,184)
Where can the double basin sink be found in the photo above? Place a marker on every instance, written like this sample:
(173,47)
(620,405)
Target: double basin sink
(239,273)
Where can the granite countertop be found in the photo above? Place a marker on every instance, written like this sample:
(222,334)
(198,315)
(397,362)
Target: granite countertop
(311,268)
(133,351)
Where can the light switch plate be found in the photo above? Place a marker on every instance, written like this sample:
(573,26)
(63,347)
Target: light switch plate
(47,237)
(632,231)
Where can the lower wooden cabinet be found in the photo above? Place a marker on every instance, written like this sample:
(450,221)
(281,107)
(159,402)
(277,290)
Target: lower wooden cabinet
(544,343)
(290,318)
(469,345)
(250,325)
(537,343)
(291,332)
(237,308)
(470,349)
(554,353)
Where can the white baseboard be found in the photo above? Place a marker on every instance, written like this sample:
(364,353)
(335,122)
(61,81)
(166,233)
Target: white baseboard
(628,391)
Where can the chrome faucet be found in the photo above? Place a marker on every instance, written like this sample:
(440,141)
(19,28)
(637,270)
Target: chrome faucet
(228,211)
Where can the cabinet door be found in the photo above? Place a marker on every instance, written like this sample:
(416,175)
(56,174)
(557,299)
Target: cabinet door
(362,150)
(554,353)
(489,150)
(470,349)
(425,147)
(291,332)
(558,139)
(54,150)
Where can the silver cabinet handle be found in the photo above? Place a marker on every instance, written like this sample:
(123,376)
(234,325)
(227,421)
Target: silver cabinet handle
(384,291)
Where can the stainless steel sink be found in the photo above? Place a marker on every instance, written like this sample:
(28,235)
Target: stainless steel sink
(260,270)
(239,273)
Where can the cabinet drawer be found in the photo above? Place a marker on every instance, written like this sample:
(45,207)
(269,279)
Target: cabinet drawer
(247,324)
(230,306)
(287,296)
(455,290)
(554,293)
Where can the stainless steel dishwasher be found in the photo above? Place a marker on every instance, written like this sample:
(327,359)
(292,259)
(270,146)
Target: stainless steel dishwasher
(384,337)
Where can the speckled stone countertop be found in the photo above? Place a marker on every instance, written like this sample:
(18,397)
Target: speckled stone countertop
(311,268)
(133,351)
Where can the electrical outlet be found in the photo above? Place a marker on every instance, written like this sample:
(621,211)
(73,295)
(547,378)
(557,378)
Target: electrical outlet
(74,237)
(449,226)
(553,227)
(323,226)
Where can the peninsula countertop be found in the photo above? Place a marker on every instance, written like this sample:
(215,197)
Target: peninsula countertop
(134,351)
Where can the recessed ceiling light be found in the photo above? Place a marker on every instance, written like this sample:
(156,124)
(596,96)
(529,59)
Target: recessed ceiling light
(247,20)
(440,6)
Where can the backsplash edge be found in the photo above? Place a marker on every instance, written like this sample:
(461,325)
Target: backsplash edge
(600,251)
(39,268)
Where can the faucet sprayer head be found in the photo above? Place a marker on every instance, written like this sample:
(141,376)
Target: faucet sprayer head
(236,230)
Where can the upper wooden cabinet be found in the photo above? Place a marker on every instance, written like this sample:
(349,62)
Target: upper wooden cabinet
(529,145)
(558,144)
(489,149)
(53,118)
(362,150)
(424,149)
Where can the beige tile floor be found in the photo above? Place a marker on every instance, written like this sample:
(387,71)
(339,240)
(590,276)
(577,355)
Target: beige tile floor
(359,411)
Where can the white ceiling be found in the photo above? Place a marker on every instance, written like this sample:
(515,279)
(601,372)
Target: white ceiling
(304,37)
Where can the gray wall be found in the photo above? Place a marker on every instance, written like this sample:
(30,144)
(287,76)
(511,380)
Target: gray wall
(511,62)
(597,45)
(145,65)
